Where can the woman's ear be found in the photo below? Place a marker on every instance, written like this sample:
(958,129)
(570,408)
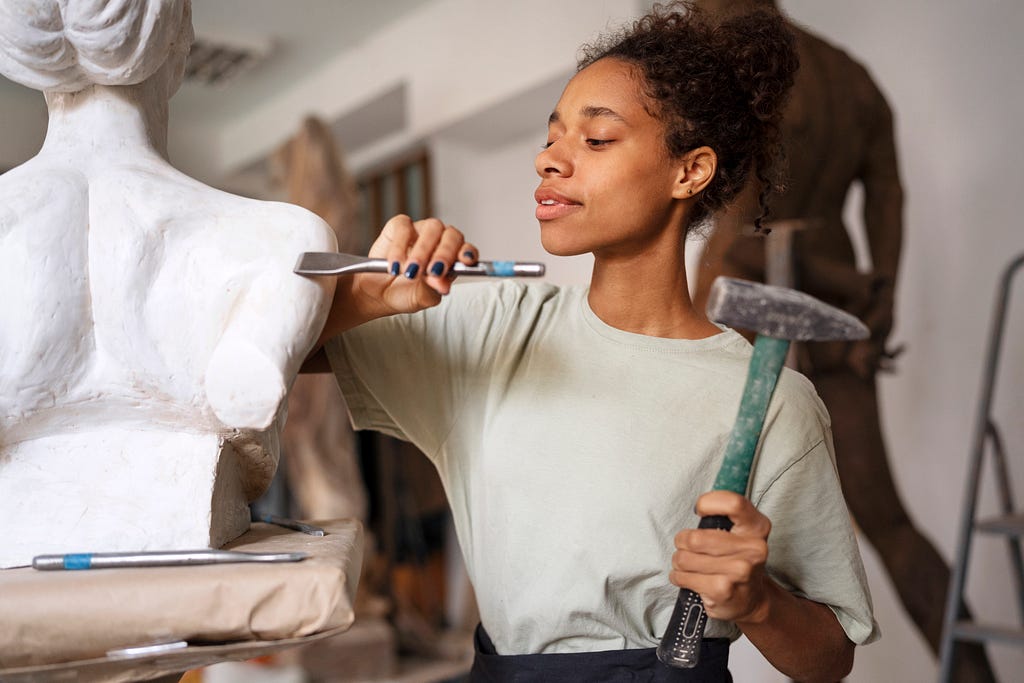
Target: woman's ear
(695,171)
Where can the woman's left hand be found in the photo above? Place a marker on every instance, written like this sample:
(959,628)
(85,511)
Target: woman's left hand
(726,568)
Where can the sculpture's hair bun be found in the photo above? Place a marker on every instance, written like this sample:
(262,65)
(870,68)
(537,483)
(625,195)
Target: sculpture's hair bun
(65,46)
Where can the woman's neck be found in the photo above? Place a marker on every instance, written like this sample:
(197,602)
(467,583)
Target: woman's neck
(647,293)
(101,123)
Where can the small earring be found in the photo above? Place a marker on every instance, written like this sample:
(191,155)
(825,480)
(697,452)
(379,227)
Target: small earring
(689,190)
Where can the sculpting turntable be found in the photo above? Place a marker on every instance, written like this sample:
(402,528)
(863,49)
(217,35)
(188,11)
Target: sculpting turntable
(138,624)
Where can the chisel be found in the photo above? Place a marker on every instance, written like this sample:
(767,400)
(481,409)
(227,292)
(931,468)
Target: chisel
(160,558)
(330,263)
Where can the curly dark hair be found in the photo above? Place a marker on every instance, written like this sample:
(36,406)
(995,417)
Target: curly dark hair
(719,84)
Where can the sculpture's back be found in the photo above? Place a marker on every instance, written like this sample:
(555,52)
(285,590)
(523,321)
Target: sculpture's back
(152,324)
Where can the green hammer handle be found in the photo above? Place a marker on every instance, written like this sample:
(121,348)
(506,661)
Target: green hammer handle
(765,365)
(680,646)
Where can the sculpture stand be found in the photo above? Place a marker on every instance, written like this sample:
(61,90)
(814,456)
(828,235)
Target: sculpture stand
(163,668)
(61,624)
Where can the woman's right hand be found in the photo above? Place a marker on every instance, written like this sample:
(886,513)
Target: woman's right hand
(421,254)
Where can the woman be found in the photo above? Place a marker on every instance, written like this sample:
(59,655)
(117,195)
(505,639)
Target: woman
(576,429)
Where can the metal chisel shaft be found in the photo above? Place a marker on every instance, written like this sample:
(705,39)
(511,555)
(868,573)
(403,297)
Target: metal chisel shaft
(330,263)
(169,558)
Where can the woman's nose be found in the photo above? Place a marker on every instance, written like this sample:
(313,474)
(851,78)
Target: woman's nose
(552,161)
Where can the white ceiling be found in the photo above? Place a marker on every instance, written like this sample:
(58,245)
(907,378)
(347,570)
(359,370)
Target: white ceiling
(302,34)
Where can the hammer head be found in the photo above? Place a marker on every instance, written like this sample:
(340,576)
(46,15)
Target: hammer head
(779,312)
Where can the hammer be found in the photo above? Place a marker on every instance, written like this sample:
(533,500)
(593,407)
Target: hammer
(779,316)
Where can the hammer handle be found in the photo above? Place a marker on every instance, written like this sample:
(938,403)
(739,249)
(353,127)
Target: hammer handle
(765,365)
(680,646)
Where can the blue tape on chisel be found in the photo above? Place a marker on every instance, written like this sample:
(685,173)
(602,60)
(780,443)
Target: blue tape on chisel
(503,268)
(78,561)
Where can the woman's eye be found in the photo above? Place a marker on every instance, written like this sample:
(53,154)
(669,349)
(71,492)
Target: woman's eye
(547,144)
(594,142)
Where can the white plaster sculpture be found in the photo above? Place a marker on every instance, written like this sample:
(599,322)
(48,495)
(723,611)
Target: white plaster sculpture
(150,326)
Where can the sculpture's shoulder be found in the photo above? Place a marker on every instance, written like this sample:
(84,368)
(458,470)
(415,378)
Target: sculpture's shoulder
(818,47)
(37,187)
(155,193)
(837,66)
(41,169)
(289,221)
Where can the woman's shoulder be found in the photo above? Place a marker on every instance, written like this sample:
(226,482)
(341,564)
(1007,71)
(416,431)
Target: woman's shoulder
(521,296)
(797,416)
(510,308)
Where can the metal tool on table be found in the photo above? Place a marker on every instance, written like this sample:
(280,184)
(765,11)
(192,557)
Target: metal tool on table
(330,263)
(779,316)
(287,523)
(158,558)
(149,650)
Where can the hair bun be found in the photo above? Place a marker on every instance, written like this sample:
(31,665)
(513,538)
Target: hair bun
(761,49)
(65,46)
(717,80)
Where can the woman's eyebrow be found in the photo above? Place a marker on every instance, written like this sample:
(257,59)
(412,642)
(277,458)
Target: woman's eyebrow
(593,112)
(590,112)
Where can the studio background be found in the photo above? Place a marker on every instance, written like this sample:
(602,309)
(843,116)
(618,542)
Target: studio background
(472,81)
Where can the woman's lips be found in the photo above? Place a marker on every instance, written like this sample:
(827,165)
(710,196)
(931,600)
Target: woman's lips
(551,205)
(547,212)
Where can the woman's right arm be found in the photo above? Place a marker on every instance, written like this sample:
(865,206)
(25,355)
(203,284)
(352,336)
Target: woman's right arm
(421,254)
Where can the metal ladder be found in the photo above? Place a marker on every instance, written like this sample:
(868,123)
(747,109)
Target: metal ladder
(1010,523)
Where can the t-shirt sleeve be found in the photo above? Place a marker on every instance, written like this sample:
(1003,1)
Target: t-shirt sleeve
(408,375)
(812,548)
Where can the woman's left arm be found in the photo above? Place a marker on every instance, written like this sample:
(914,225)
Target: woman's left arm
(801,638)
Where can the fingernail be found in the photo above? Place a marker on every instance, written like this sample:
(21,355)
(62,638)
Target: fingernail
(469,253)
(411,271)
(437,268)
(395,268)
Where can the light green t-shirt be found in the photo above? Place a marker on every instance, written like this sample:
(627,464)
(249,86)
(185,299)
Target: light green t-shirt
(572,452)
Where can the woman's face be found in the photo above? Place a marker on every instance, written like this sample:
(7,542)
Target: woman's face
(606,176)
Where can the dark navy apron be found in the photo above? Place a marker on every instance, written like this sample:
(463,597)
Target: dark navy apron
(609,666)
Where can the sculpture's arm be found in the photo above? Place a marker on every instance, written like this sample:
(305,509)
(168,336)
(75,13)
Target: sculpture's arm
(883,194)
(883,221)
(270,331)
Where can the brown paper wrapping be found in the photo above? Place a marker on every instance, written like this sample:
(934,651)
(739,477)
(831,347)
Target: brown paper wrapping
(59,618)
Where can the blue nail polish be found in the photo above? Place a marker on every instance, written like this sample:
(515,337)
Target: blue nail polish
(395,267)
(411,271)
(469,253)
(437,268)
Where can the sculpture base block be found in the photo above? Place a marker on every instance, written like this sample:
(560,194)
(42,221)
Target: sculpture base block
(114,490)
